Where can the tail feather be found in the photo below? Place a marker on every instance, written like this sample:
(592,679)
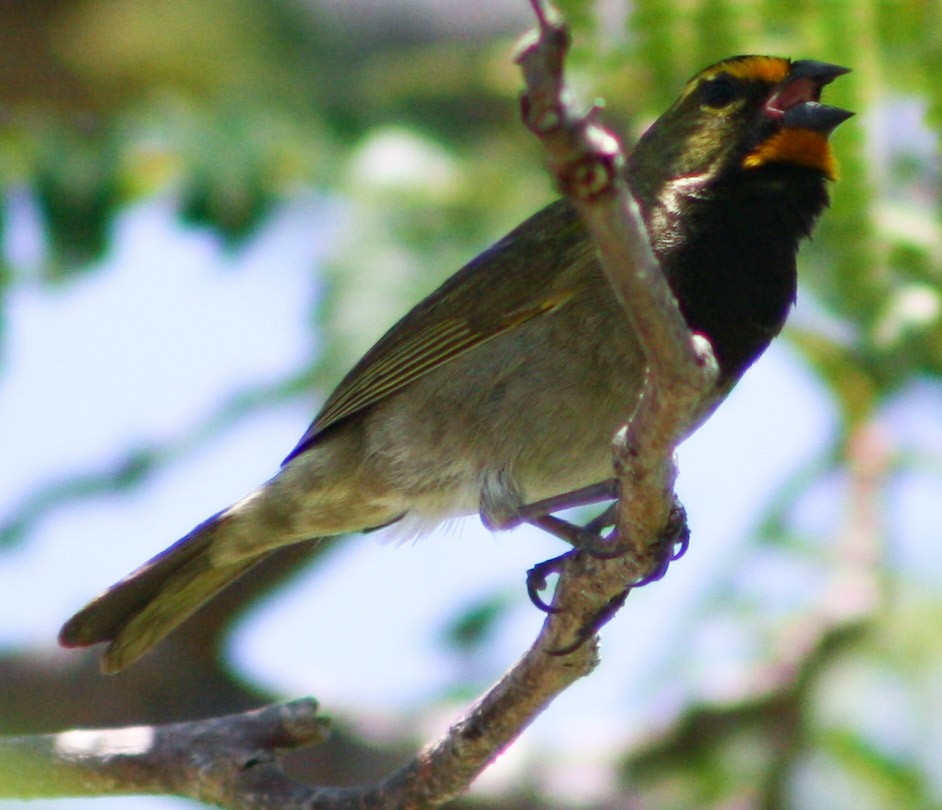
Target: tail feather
(137,612)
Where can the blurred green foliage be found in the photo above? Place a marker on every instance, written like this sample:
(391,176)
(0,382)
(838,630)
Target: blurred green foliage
(230,105)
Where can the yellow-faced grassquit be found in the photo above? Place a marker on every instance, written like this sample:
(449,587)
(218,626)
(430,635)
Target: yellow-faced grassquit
(506,385)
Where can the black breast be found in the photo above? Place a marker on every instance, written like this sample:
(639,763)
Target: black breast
(730,258)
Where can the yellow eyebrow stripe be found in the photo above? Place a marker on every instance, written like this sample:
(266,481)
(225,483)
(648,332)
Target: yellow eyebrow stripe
(770,69)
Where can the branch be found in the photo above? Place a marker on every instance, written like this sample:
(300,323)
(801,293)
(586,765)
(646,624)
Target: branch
(588,164)
(225,760)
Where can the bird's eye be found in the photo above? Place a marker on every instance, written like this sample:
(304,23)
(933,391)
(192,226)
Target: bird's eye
(718,92)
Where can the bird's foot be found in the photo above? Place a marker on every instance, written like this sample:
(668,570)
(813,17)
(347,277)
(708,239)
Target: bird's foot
(670,545)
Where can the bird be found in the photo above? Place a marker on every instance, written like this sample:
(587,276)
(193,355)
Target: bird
(505,386)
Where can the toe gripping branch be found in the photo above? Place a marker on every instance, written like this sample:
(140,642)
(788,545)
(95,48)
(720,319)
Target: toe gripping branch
(670,545)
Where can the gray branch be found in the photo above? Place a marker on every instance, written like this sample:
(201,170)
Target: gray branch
(588,164)
(223,760)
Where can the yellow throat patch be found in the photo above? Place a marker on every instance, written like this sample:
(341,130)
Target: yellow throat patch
(802,147)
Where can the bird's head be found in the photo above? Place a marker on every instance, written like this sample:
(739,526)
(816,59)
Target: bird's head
(737,118)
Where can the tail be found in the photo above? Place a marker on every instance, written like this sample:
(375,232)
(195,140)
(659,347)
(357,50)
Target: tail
(137,612)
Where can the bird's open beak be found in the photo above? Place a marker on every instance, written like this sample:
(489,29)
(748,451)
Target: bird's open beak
(796,104)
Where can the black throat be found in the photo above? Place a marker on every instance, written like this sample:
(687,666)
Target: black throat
(728,250)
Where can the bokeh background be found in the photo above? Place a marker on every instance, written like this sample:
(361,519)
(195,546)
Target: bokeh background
(209,210)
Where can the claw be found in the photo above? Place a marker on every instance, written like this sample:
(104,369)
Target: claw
(681,545)
(656,573)
(674,542)
(677,532)
(537,580)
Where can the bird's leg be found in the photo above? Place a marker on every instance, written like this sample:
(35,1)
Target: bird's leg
(589,537)
(502,507)
(539,513)
(594,493)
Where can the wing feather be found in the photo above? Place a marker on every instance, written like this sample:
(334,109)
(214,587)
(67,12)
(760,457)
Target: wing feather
(461,314)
